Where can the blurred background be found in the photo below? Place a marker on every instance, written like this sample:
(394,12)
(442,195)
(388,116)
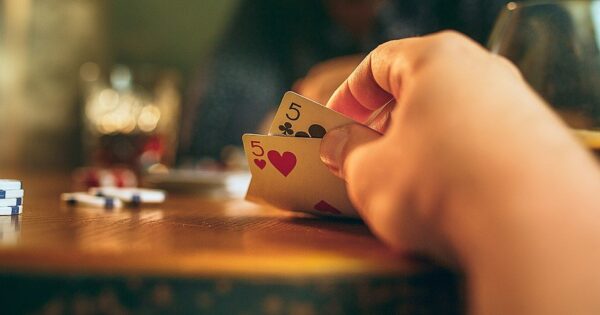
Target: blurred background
(140,83)
(55,54)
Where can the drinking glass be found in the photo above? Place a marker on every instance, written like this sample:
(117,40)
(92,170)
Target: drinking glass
(130,117)
(556,46)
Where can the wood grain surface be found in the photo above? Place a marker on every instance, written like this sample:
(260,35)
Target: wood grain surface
(188,234)
(200,255)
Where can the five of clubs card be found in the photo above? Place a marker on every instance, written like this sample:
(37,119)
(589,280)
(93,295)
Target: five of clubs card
(287,171)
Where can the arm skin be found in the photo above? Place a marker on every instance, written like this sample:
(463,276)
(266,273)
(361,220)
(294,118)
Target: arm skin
(474,170)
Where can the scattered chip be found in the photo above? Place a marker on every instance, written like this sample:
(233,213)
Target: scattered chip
(83,198)
(133,195)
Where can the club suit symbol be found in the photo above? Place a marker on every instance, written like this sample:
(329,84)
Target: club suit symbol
(286,129)
(314,131)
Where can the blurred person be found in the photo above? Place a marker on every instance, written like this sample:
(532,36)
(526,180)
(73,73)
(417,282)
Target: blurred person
(270,44)
(474,169)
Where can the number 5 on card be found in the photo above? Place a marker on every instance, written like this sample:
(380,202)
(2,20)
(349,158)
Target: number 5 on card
(298,116)
(287,173)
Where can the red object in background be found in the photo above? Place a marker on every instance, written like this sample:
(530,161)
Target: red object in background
(86,177)
(152,152)
(135,151)
(154,143)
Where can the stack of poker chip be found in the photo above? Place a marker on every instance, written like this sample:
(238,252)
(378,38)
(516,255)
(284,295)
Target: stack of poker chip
(11,197)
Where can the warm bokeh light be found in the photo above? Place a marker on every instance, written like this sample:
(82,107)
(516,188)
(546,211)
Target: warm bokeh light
(148,118)
(111,111)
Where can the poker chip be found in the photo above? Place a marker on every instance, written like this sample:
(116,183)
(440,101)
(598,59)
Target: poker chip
(131,195)
(11,202)
(11,210)
(16,193)
(11,197)
(86,199)
(113,197)
(10,184)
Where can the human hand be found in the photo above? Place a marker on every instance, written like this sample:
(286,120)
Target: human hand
(474,168)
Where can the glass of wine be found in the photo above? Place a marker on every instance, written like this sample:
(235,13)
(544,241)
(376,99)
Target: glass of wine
(556,45)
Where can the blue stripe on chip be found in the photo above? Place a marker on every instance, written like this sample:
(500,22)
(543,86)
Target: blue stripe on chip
(110,203)
(136,198)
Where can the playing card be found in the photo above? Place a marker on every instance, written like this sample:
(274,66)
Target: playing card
(287,173)
(300,117)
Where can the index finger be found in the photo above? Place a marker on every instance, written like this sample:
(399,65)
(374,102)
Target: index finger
(360,94)
(375,81)
(379,77)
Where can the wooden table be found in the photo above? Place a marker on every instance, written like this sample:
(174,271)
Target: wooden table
(196,254)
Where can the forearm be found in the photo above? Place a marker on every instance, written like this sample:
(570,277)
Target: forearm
(532,254)
(474,168)
(525,227)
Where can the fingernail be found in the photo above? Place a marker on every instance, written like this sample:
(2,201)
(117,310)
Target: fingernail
(332,147)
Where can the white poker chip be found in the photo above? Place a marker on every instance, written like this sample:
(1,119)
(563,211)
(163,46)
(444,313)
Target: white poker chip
(133,195)
(11,210)
(15,193)
(83,198)
(10,184)
(11,202)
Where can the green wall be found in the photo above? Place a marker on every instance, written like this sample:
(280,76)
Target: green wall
(179,33)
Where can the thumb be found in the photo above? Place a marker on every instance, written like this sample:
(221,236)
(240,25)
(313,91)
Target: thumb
(339,143)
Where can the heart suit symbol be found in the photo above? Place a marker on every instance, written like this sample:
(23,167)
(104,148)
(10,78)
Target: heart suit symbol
(323,206)
(260,163)
(284,163)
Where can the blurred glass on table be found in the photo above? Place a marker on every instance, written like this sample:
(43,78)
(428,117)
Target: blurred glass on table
(130,117)
(556,45)
(131,120)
